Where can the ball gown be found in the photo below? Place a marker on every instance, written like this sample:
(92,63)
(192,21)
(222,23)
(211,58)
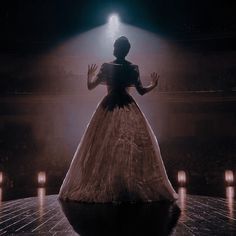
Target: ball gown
(118,158)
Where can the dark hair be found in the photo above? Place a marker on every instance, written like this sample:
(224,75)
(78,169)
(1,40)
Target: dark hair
(121,47)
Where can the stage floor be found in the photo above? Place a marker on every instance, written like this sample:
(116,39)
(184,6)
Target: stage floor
(45,215)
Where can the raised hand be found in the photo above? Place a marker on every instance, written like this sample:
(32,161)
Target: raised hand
(91,70)
(155,77)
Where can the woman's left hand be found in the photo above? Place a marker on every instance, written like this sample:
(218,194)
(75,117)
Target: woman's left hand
(155,78)
(91,70)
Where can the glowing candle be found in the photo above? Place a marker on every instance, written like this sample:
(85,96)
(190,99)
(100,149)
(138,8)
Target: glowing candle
(229,177)
(41,177)
(182,177)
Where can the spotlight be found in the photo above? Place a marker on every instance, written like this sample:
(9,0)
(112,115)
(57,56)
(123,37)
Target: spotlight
(113,19)
(113,27)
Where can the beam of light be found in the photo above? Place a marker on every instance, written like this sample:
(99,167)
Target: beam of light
(150,51)
(113,26)
(65,66)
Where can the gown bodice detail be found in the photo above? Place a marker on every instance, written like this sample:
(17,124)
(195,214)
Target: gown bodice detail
(118,77)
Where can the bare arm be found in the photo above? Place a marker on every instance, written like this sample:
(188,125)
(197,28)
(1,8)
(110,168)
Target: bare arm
(143,90)
(91,81)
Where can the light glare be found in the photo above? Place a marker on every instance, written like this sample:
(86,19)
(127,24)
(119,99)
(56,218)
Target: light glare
(229,177)
(181,177)
(114,19)
(41,177)
(113,29)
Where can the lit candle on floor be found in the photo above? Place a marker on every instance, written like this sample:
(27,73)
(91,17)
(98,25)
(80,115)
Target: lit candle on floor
(41,178)
(182,177)
(229,177)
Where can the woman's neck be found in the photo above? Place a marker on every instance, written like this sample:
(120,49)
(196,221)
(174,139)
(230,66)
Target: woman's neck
(120,60)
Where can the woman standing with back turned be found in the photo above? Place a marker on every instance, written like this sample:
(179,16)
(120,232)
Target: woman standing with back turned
(118,158)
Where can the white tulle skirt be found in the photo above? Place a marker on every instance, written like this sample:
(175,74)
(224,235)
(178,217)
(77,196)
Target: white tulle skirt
(118,158)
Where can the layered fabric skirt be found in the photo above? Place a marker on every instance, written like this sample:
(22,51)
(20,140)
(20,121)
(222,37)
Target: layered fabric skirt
(118,158)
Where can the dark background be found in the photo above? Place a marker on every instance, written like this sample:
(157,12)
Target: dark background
(49,19)
(42,115)
(33,28)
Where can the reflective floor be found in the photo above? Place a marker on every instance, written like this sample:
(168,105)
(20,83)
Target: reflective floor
(191,215)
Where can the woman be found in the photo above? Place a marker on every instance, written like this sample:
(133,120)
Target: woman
(118,158)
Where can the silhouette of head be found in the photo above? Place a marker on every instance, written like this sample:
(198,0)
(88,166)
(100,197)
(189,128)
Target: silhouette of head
(121,47)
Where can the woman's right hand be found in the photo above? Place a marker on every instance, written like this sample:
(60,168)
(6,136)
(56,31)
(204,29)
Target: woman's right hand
(155,78)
